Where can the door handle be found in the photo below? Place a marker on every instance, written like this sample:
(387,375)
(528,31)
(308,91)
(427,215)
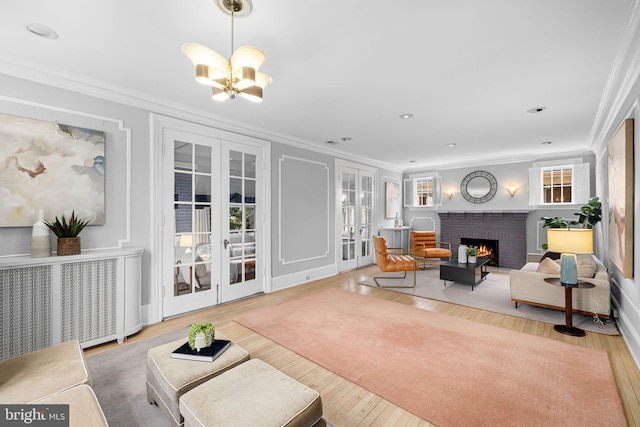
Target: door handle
(226,243)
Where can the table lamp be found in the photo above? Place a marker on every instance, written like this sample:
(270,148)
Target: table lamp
(569,242)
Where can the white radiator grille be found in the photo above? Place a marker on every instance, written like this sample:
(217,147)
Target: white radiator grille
(89,299)
(25,301)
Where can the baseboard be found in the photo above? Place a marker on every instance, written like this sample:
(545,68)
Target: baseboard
(628,319)
(290,280)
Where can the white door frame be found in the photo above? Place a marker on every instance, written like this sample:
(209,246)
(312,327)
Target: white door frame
(159,125)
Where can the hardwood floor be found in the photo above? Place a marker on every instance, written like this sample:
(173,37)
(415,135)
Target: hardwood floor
(346,404)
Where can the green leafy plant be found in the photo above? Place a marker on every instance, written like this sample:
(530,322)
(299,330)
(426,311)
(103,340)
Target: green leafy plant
(472,251)
(555,222)
(589,215)
(206,328)
(72,228)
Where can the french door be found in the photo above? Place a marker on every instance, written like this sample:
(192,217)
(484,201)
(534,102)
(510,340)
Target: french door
(213,220)
(243,227)
(356,194)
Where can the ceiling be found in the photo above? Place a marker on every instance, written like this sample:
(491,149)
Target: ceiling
(468,70)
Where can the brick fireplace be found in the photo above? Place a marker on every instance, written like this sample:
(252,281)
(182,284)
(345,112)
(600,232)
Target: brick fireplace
(508,228)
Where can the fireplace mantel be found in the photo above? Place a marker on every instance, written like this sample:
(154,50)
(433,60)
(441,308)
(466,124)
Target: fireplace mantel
(508,227)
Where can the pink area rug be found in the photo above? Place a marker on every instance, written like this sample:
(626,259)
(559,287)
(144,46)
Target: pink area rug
(446,370)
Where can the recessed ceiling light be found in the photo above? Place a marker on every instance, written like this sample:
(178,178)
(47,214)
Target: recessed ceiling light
(42,30)
(346,138)
(536,110)
(406,116)
(332,142)
(546,142)
(412,161)
(451,144)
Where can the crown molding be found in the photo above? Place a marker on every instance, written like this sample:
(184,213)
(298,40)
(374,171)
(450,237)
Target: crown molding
(525,158)
(99,89)
(623,76)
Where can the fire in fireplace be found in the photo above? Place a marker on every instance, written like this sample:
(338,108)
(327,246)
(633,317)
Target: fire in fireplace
(487,248)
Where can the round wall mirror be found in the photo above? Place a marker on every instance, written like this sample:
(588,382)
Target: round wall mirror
(479,187)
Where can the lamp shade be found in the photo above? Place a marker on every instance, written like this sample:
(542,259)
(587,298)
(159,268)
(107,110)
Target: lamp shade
(570,240)
(186,240)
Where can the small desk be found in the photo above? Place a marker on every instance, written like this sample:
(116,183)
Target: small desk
(568,328)
(469,274)
(393,237)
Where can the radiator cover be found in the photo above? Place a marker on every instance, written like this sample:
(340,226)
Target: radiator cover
(92,298)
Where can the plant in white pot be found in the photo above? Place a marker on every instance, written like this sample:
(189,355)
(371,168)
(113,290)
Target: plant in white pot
(67,233)
(472,254)
(201,335)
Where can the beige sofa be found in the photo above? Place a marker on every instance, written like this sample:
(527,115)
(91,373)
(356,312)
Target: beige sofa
(53,375)
(527,286)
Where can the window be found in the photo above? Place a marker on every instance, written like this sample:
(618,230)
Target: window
(565,182)
(557,185)
(422,191)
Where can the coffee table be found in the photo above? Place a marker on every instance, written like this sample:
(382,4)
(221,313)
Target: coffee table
(469,274)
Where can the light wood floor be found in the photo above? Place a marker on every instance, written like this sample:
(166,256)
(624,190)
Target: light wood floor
(346,404)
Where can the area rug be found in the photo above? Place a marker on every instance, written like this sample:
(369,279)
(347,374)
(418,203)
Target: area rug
(119,383)
(446,370)
(492,294)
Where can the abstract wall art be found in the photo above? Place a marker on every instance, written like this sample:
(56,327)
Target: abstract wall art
(620,201)
(392,197)
(51,166)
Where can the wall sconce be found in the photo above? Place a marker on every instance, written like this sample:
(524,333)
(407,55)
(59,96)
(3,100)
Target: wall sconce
(449,192)
(512,189)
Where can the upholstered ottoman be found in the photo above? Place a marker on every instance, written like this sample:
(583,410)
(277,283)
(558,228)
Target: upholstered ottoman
(252,394)
(84,409)
(42,373)
(169,378)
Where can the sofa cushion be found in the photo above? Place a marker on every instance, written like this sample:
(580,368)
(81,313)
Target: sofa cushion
(548,266)
(42,373)
(586,266)
(551,255)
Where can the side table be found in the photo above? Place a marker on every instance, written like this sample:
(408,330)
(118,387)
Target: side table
(568,328)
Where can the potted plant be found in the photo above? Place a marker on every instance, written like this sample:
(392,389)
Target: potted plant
(67,233)
(472,254)
(201,335)
(589,215)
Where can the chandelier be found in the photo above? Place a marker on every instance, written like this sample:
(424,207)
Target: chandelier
(238,76)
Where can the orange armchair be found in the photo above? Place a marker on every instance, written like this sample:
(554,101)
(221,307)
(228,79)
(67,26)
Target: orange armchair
(425,246)
(393,260)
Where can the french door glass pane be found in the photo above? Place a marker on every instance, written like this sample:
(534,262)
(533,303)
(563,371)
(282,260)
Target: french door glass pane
(366,209)
(348,215)
(203,159)
(192,212)
(242,197)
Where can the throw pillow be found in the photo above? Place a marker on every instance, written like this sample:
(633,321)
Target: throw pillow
(548,266)
(586,266)
(552,255)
